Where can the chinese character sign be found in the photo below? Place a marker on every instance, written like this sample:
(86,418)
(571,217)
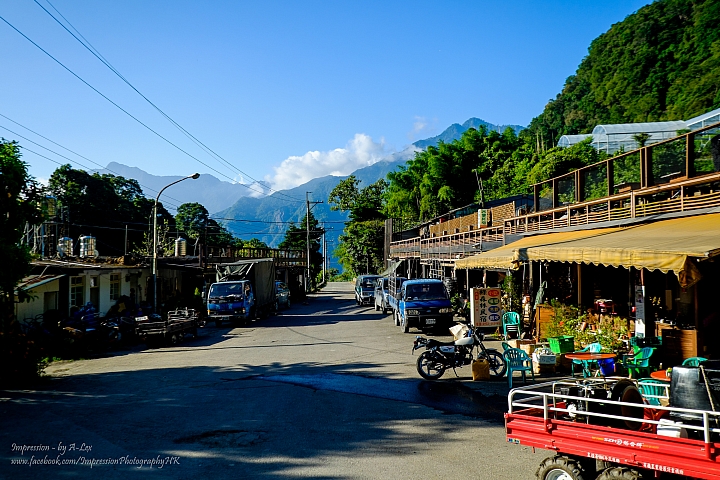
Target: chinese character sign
(485,308)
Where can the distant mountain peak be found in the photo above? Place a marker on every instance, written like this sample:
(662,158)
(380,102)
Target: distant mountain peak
(455,131)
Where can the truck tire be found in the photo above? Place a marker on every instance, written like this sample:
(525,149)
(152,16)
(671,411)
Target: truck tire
(396,317)
(619,473)
(559,468)
(627,391)
(404,324)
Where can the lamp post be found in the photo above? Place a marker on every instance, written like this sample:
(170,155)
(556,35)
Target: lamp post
(154,265)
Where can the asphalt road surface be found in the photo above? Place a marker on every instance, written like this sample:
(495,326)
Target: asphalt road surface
(325,390)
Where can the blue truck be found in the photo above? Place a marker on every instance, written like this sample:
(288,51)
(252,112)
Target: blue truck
(245,291)
(424,304)
(394,285)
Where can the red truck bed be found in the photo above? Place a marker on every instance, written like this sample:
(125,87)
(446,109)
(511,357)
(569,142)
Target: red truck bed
(543,417)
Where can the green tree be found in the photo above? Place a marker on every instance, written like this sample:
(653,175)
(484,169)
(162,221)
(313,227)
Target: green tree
(103,205)
(361,244)
(192,218)
(254,243)
(18,207)
(296,239)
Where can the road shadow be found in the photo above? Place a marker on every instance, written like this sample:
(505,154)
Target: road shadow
(262,421)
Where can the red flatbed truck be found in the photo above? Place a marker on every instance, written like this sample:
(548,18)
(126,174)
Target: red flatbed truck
(601,429)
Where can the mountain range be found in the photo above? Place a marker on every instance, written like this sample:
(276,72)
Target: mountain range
(248,214)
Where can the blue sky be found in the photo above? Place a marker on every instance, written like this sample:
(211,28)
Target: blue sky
(283,91)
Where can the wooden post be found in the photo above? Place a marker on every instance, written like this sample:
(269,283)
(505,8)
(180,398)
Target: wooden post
(579,187)
(610,172)
(690,155)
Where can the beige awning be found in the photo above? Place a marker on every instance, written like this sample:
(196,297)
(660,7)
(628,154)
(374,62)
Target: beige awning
(664,245)
(508,256)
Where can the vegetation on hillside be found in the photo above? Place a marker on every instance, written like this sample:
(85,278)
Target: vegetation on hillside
(660,63)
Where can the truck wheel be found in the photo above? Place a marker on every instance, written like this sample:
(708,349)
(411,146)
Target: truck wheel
(559,468)
(626,391)
(619,473)
(396,317)
(404,324)
(428,368)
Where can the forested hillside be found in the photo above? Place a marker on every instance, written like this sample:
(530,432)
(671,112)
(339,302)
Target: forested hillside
(660,63)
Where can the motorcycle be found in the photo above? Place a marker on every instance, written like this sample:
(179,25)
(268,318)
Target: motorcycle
(439,356)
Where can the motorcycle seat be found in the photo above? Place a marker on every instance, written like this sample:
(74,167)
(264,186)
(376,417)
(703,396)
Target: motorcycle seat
(434,343)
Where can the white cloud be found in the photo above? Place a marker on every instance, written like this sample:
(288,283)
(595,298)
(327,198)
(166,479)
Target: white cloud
(359,152)
(421,126)
(258,189)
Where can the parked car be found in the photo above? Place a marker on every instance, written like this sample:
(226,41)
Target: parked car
(381,292)
(282,295)
(365,289)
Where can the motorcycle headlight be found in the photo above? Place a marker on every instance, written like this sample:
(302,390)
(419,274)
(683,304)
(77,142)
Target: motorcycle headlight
(445,310)
(413,312)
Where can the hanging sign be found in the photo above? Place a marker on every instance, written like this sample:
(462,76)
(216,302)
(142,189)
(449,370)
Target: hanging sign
(485,307)
(640,311)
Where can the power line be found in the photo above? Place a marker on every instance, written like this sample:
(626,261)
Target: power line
(85,43)
(125,111)
(69,159)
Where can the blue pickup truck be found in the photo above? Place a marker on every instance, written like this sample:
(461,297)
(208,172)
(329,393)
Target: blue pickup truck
(424,304)
(393,295)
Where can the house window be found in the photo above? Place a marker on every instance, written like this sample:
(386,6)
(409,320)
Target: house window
(77,291)
(114,286)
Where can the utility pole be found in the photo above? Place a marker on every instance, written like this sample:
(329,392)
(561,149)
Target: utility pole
(324,250)
(307,237)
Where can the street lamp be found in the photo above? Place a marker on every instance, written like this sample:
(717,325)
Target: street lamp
(154,269)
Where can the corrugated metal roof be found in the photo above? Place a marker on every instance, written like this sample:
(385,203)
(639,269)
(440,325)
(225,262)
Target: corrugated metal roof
(34,281)
(649,127)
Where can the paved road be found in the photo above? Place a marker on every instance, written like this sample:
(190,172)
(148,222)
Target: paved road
(324,390)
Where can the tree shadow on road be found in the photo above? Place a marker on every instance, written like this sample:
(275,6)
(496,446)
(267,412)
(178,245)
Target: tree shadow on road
(266,421)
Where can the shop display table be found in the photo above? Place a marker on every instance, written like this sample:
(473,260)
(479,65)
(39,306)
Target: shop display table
(586,357)
(660,375)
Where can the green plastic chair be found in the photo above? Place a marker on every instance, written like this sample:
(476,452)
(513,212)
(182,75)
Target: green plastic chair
(653,390)
(511,323)
(693,361)
(592,348)
(639,363)
(505,346)
(518,361)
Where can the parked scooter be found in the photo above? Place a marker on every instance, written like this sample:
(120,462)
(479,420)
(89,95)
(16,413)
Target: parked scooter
(439,356)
